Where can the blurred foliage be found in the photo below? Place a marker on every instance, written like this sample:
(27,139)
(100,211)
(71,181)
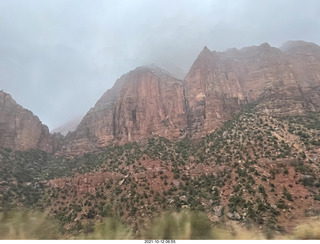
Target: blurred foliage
(109,229)
(184,225)
(28,225)
(307,231)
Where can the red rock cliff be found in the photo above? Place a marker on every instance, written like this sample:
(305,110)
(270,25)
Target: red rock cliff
(148,101)
(284,82)
(20,129)
(144,102)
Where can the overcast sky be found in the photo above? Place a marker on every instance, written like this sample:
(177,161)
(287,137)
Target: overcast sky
(58,57)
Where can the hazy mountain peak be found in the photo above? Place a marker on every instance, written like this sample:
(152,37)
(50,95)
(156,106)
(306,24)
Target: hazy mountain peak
(69,126)
(155,70)
(290,45)
(206,49)
(265,45)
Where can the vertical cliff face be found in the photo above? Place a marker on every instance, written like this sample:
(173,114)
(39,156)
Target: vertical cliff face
(213,92)
(145,102)
(288,81)
(20,129)
(304,59)
(284,82)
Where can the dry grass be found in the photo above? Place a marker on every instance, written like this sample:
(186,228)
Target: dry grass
(191,226)
(109,229)
(185,225)
(27,225)
(180,226)
(307,231)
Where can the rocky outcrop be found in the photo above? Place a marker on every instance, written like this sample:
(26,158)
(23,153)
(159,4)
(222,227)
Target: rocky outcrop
(145,102)
(283,81)
(213,92)
(234,216)
(85,183)
(20,129)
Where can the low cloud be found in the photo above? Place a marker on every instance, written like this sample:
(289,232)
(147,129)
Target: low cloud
(58,57)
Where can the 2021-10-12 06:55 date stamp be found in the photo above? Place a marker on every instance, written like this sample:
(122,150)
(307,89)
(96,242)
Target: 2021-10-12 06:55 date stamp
(160,241)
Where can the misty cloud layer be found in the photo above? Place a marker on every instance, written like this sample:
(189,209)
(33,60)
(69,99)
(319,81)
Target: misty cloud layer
(58,57)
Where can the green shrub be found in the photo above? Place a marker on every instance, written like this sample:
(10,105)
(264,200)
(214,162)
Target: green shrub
(287,194)
(317,197)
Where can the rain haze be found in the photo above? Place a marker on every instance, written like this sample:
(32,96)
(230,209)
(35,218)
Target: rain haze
(58,57)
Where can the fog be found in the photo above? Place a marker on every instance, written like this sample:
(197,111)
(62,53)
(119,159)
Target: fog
(58,57)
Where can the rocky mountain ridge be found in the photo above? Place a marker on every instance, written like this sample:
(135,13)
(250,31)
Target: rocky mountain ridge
(218,83)
(149,101)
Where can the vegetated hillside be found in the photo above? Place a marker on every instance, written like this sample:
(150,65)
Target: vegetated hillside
(256,170)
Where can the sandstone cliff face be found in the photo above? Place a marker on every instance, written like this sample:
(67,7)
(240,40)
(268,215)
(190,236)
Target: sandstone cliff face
(145,102)
(304,59)
(20,129)
(284,82)
(148,101)
(213,92)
